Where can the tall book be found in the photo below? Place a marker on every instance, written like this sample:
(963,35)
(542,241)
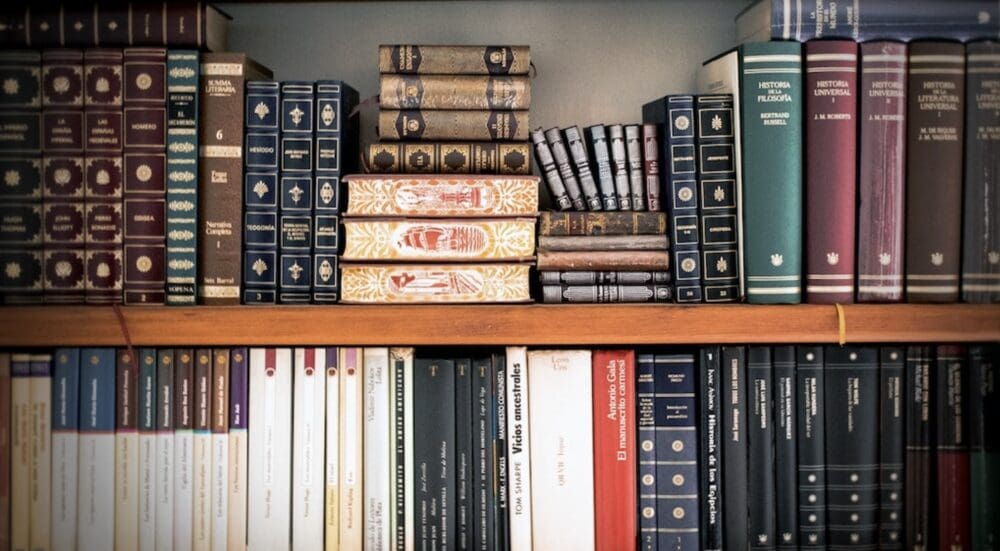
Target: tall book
(21,158)
(762,521)
(482,471)
(852,473)
(615,484)
(785,447)
(126,450)
(20,449)
(308,416)
(951,448)
(147,407)
(182,176)
(646,451)
(399,360)
(63,232)
(434,452)
(562,460)
(463,454)
(95,507)
(260,193)
(734,445)
(892,446)
(144,174)
(352,449)
(919,465)
(677,501)
(831,112)
(219,512)
(165,423)
(65,442)
(201,446)
(185,409)
(519,450)
(675,115)
(984,460)
(6,455)
(270,424)
(981,229)
(40,487)
(935,135)
(295,198)
(239,388)
(501,503)
(771,86)
(811,427)
(881,171)
(220,173)
(331,502)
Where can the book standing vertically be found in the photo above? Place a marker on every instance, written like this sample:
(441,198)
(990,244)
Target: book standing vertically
(651,165)
(615,484)
(185,409)
(40,487)
(598,137)
(482,471)
(646,452)
(786,462)
(126,450)
(892,446)
(295,197)
(95,503)
(201,446)
(636,179)
(6,454)
(919,465)
(331,502)
(577,196)
(811,427)
(578,152)
(676,409)
(239,387)
(501,478)
(710,448)
(270,424)
(308,416)
(463,453)
(351,466)
(619,166)
(434,452)
(984,459)
(165,423)
(20,449)
(182,176)
(519,449)
(219,493)
(400,359)
(147,407)
(762,521)
(951,450)
(260,193)
(65,441)
(734,445)
(547,166)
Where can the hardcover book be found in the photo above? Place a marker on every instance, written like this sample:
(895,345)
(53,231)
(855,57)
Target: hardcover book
(762,518)
(615,483)
(604,260)
(984,460)
(598,137)
(603,278)
(950,375)
(260,193)
(578,152)
(219,456)
(6,456)
(270,423)
(578,196)
(675,416)
(606,293)
(126,467)
(463,459)
(636,178)
(645,397)
(919,464)
(401,370)
(95,505)
(434,452)
(486,125)
(449,158)
(308,415)
(604,243)
(439,240)
(785,392)
(619,166)
(454,91)
(441,196)
(295,198)
(558,193)
(484,401)
(811,428)
(429,283)
(711,513)
(602,223)
(451,60)
(651,165)
(182,176)
(892,446)
(718,199)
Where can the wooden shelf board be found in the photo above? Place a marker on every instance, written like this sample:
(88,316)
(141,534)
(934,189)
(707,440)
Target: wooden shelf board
(532,324)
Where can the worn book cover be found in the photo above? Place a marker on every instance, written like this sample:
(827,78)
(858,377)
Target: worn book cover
(454,92)
(448,158)
(603,260)
(489,125)
(439,240)
(452,60)
(442,195)
(546,161)
(604,243)
(602,223)
(430,283)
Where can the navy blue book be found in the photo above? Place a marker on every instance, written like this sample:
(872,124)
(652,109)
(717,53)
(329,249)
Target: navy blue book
(785,448)
(892,446)
(710,451)
(734,446)
(812,447)
(260,194)
(675,116)
(675,381)
(646,441)
(760,466)
(295,199)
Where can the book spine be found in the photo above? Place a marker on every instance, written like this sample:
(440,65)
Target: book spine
(450,158)
(434,454)
(984,466)
(718,203)
(40,487)
(553,175)
(710,449)
(182,176)
(377,448)
(400,360)
(581,160)
(351,448)
(604,260)
(651,165)
(63,232)
(147,449)
(919,461)
(619,166)
(331,527)
(831,109)
(65,443)
(936,94)
(482,471)
(260,193)
(677,498)
(598,137)
(603,278)
(892,443)
(20,473)
(950,374)
(454,60)
(852,464)
(810,426)
(144,171)
(219,455)
(646,450)
(762,519)
(184,397)
(438,240)
(881,171)
(562,448)
(454,91)
(981,231)
(785,447)
(519,450)
(602,223)
(295,203)
(771,81)
(463,457)
(435,283)
(95,505)
(236,532)
(453,125)
(734,446)
(165,423)
(126,451)
(270,423)
(442,196)
(308,412)
(501,534)
(21,158)
(604,243)
(636,176)
(201,445)
(579,197)
(6,455)
(606,293)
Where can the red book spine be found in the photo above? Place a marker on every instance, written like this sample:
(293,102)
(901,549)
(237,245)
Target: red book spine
(952,449)
(881,172)
(831,86)
(144,174)
(614,450)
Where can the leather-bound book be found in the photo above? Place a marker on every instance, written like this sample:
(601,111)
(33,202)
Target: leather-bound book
(451,60)
(182,176)
(295,197)
(951,447)
(892,446)
(260,194)
(718,202)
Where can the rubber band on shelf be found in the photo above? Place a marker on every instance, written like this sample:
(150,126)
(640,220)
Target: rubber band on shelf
(125,334)
(841,325)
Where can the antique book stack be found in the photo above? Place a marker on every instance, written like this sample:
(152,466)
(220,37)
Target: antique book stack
(452,110)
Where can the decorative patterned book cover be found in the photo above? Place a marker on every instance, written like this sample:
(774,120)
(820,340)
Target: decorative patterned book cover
(811,428)
(645,396)
(892,446)
(984,438)
(559,196)
(598,137)
(675,413)
(785,393)
(295,199)
(260,193)
(602,223)
(63,234)
(604,243)
(415,124)
(448,158)
(605,293)
(981,231)
(951,450)
(919,465)
(771,84)
(581,160)
(881,171)
(454,91)
(603,278)
(710,448)
(636,176)
(441,195)
(675,115)
(578,196)
(651,165)
(604,260)
(434,451)
(21,194)
(439,240)
(145,115)
(614,448)
(434,283)
(761,497)
(935,134)
(182,176)
(619,166)
(718,199)
(454,60)
(220,173)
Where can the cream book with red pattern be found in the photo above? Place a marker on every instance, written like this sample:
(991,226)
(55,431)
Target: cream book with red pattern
(441,195)
(439,240)
(434,283)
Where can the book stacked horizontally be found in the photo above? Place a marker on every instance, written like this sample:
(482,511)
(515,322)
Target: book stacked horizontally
(453,110)
(590,257)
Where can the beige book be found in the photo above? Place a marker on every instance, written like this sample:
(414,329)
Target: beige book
(439,240)
(41,452)
(20,476)
(434,283)
(332,466)
(351,449)
(441,195)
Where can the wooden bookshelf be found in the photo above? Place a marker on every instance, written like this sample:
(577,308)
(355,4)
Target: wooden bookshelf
(531,324)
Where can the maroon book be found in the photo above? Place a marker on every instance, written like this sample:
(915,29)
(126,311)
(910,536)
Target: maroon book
(62,176)
(881,172)
(103,173)
(935,132)
(831,113)
(952,450)
(145,174)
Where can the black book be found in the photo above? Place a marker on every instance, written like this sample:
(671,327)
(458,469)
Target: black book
(434,452)
(984,410)
(463,453)
(785,448)
(734,446)
(500,449)
(760,484)
(810,424)
(399,441)
(482,466)
(892,446)
(852,413)
(710,453)
(919,468)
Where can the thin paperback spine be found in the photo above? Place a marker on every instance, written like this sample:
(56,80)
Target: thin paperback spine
(95,505)
(239,379)
(126,451)
(377,448)
(219,454)
(710,449)
(762,525)
(919,464)
(331,527)
(400,359)
(308,412)
(201,446)
(351,448)
(184,413)
(165,423)
(785,448)
(20,517)
(646,451)
(147,449)
(892,446)
(519,449)
(270,423)
(482,471)
(463,454)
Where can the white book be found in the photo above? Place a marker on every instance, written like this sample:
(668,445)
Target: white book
(165,451)
(309,403)
(220,451)
(184,449)
(332,524)
(269,521)
(408,489)
(41,452)
(147,450)
(518,449)
(562,449)
(400,360)
(378,447)
(201,445)
(95,506)
(126,454)
(351,448)
(65,440)
(20,472)
(236,533)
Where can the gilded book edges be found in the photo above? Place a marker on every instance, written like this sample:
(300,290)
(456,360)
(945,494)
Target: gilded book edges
(442,196)
(429,283)
(507,239)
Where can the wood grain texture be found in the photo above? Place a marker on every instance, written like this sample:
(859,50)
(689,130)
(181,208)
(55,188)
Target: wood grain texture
(534,324)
